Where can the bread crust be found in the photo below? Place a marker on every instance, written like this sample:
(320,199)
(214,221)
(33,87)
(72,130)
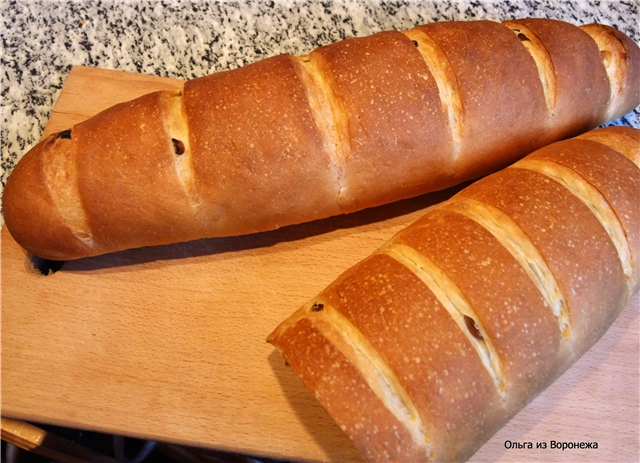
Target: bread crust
(345,393)
(110,167)
(513,122)
(579,75)
(257,153)
(624,140)
(620,188)
(541,207)
(507,303)
(394,118)
(391,307)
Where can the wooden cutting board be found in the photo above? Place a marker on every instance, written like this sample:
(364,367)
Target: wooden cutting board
(168,343)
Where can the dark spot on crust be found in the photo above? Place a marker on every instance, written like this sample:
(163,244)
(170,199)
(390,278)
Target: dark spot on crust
(523,38)
(415,42)
(317,307)
(472,326)
(178,146)
(66,134)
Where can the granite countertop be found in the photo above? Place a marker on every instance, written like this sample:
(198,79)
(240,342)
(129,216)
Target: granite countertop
(43,39)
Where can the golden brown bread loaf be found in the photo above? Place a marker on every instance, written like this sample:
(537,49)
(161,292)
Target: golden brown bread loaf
(426,348)
(351,125)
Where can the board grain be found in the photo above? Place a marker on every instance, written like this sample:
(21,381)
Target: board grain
(168,343)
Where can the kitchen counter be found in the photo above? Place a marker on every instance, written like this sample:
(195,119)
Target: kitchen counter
(168,343)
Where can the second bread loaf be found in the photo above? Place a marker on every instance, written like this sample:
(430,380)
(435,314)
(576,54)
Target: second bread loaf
(422,351)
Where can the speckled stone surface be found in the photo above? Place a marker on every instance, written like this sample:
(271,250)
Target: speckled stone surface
(42,39)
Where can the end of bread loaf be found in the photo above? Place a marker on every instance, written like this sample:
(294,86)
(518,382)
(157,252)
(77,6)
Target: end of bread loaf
(621,58)
(367,410)
(571,70)
(462,318)
(54,212)
(121,179)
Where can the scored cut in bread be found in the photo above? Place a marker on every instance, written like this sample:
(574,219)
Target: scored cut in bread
(423,350)
(351,125)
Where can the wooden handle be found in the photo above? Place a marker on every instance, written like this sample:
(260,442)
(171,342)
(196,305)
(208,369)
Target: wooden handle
(36,440)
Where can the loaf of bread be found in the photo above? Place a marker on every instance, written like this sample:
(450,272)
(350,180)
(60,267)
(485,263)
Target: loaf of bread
(352,125)
(426,348)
